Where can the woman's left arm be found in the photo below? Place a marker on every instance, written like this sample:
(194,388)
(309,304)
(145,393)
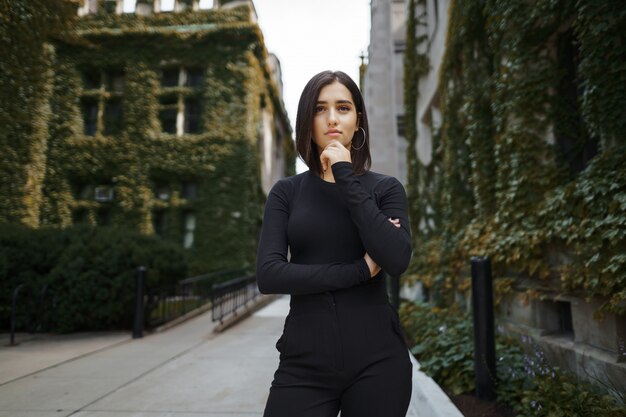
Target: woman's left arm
(389,246)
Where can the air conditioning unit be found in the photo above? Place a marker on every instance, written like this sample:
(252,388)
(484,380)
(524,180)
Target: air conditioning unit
(163,193)
(103,193)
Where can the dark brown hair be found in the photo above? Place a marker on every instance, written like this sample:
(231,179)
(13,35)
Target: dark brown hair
(306,147)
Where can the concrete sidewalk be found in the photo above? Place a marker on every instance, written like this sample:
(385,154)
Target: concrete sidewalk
(185,371)
(40,351)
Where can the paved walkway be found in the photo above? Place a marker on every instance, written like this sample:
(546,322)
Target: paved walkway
(40,351)
(186,371)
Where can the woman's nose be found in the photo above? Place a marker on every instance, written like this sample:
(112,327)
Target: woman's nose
(332,118)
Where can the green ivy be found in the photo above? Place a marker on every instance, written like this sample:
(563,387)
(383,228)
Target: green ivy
(53,157)
(603,53)
(415,66)
(26,30)
(496,185)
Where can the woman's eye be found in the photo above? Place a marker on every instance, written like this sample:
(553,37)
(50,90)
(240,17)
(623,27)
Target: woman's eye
(319,109)
(344,108)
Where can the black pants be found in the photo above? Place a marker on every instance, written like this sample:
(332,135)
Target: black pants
(341,350)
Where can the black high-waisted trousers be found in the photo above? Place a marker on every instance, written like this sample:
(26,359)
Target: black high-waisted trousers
(341,350)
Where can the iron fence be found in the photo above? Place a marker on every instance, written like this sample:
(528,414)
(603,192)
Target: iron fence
(227,297)
(35,316)
(170,302)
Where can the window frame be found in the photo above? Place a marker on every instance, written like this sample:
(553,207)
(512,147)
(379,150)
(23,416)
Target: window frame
(110,89)
(183,94)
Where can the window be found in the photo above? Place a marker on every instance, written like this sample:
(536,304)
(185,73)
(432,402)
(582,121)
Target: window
(163,192)
(159,222)
(103,193)
(114,81)
(90,116)
(180,108)
(564,309)
(102,101)
(400,124)
(192,116)
(189,228)
(168,113)
(112,116)
(169,77)
(81,190)
(194,77)
(88,7)
(167,5)
(91,79)
(93,203)
(189,190)
(174,206)
(87,191)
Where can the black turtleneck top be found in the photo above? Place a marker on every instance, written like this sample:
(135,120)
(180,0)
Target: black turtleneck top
(328,227)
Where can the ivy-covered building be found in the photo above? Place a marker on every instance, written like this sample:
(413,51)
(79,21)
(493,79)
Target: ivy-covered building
(162,121)
(515,129)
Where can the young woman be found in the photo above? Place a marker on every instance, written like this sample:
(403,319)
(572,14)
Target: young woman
(345,226)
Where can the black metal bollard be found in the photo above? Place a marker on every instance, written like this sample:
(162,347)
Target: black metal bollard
(13,309)
(484,339)
(139,307)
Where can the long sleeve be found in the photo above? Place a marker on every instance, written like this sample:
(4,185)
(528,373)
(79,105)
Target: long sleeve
(390,247)
(276,275)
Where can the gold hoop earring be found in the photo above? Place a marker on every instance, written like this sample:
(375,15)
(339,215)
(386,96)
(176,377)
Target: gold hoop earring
(362,144)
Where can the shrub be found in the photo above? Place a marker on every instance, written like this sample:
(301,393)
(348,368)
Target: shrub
(443,342)
(439,330)
(90,272)
(27,256)
(558,394)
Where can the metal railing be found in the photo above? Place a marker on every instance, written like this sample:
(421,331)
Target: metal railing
(227,297)
(170,302)
(38,311)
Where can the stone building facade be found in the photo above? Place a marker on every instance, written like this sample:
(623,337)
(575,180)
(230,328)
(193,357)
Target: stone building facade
(383,88)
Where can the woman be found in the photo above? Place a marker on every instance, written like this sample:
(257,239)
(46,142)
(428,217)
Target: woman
(342,347)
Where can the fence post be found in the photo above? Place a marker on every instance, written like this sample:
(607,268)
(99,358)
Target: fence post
(484,339)
(13,318)
(139,304)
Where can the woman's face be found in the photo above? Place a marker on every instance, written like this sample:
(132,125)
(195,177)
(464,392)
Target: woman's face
(335,116)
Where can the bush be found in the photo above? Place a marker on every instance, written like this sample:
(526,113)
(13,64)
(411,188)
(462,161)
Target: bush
(90,273)
(434,331)
(559,395)
(26,257)
(443,342)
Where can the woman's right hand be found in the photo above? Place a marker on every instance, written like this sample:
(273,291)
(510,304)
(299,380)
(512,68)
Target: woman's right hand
(374,268)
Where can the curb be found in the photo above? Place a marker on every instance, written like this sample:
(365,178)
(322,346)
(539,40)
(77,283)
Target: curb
(427,398)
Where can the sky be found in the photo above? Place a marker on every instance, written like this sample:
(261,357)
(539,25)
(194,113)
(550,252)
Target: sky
(312,36)
(308,36)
